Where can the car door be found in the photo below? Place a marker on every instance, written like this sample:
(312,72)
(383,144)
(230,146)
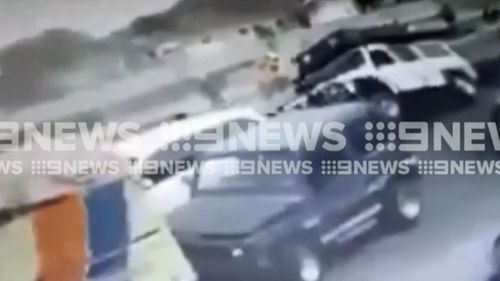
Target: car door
(347,209)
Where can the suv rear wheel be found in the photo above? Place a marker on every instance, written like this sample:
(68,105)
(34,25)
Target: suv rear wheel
(380,94)
(387,103)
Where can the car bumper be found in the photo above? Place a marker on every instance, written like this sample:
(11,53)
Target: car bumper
(230,273)
(214,266)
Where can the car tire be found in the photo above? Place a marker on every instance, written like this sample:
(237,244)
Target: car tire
(402,204)
(380,94)
(302,263)
(388,103)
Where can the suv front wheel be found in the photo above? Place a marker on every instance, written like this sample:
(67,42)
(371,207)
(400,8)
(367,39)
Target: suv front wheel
(402,204)
(302,263)
(388,103)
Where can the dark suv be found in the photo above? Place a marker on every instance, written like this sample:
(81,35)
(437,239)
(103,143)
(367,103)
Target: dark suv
(279,226)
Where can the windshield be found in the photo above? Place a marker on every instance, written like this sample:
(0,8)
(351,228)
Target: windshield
(258,172)
(348,62)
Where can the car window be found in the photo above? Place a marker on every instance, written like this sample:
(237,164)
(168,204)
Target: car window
(381,58)
(318,179)
(404,53)
(350,62)
(248,172)
(183,151)
(330,94)
(433,50)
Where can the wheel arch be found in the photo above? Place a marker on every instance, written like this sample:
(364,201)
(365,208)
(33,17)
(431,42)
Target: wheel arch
(456,72)
(378,83)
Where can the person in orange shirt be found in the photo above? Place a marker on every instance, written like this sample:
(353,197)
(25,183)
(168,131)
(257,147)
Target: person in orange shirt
(60,235)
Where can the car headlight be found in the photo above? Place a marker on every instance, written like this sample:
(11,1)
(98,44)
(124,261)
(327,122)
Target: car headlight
(237,252)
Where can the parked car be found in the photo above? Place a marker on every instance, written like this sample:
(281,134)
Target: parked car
(396,69)
(275,226)
(168,191)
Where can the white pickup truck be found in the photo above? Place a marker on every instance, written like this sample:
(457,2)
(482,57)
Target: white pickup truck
(398,69)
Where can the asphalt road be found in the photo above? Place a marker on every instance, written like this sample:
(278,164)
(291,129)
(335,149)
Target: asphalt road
(461,217)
